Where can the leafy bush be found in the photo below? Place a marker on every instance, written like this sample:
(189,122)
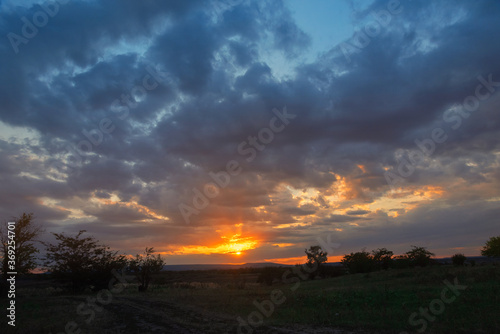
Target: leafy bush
(492,247)
(359,262)
(401,262)
(315,258)
(419,256)
(382,258)
(82,261)
(145,266)
(458,259)
(331,271)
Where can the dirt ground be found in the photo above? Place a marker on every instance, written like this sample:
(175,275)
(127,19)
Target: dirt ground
(134,316)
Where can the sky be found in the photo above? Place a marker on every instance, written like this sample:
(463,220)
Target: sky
(246,131)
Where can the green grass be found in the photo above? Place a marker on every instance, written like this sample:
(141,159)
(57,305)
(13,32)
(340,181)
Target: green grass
(380,302)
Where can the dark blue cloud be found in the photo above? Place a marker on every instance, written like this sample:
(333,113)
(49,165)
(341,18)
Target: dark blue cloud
(219,69)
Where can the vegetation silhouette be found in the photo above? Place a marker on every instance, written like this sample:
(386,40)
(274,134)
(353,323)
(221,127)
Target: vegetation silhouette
(492,247)
(145,266)
(82,261)
(315,258)
(458,259)
(26,232)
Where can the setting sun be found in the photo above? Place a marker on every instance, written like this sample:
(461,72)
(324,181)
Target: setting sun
(236,244)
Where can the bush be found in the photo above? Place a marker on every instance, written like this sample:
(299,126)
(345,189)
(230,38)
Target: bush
(145,266)
(82,261)
(458,259)
(419,256)
(401,262)
(359,262)
(382,258)
(315,258)
(331,271)
(492,247)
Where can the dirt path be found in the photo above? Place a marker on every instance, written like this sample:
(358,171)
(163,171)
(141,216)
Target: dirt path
(140,315)
(145,316)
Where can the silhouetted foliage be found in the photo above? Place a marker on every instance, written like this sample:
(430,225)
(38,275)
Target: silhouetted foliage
(25,234)
(145,266)
(400,262)
(458,259)
(82,261)
(382,258)
(315,257)
(359,262)
(331,271)
(419,256)
(492,247)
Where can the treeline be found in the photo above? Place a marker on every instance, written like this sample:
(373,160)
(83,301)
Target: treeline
(366,262)
(79,261)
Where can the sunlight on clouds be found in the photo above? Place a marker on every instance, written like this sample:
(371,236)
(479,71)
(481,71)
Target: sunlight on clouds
(235,244)
(74,213)
(397,203)
(115,200)
(11,133)
(305,196)
(281,245)
(291,225)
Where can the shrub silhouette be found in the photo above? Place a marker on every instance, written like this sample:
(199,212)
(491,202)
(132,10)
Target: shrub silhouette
(82,261)
(458,259)
(315,257)
(382,258)
(359,262)
(25,234)
(492,247)
(145,266)
(419,256)
(401,262)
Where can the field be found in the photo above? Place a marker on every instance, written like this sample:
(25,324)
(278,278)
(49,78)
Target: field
(461,300)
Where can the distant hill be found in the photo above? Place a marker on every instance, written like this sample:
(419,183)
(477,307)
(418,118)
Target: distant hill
(181,267)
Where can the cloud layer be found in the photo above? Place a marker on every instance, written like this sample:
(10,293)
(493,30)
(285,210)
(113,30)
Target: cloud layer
(116,113)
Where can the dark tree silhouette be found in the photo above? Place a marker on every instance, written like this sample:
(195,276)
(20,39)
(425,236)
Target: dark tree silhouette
(492,247)
(458,259)
(359,262)
(382,258)
(145,266)
(25,231)
(82,261)
(315,257)
(419,256)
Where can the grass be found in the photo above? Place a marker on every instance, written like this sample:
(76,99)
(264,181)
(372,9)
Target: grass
(377,302)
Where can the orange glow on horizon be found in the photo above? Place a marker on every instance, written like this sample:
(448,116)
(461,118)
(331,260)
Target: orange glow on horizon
(232,243)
